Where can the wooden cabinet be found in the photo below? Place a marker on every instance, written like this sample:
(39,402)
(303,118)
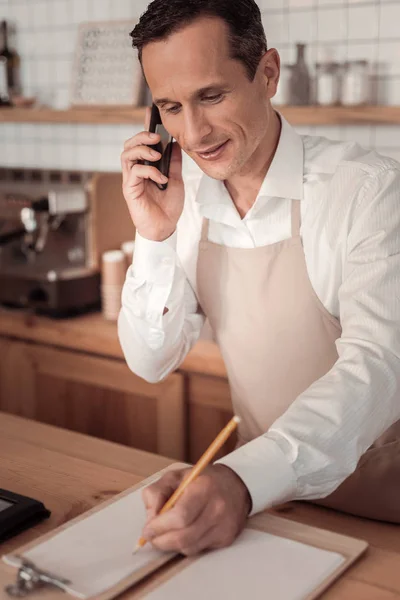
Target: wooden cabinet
(72,373)
(209,410)
(93,395)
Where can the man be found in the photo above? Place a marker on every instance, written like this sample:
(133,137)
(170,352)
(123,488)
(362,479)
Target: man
(289,246)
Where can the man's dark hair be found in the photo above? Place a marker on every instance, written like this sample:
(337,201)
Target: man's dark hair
(246,32)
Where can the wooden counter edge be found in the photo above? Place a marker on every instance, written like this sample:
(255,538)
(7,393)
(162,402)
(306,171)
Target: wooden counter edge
(94,335)
(375,577)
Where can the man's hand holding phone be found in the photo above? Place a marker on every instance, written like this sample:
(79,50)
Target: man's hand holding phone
(155,212)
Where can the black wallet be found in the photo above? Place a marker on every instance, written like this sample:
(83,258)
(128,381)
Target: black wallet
(18,513)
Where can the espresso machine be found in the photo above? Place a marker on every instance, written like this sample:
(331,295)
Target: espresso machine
(54,227)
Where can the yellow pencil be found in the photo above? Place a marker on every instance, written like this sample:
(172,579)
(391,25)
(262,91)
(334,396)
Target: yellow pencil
(197,469)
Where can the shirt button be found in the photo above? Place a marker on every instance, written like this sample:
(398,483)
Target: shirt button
(156,338)
(156,333)
(166,261)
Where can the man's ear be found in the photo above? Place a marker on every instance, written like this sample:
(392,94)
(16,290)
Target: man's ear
(270,65)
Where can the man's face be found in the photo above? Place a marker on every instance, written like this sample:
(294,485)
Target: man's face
(206,100)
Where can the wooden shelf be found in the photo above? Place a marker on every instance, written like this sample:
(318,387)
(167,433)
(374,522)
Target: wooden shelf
(296,115)
(341,115)
(103,116)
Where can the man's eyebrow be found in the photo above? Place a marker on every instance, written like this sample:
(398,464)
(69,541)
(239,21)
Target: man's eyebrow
(162,101)
(198,93)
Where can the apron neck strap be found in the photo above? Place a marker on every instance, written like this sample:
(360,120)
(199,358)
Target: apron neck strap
(296,218)
(204,229)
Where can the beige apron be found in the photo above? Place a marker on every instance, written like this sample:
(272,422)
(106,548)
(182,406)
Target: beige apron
(277,338)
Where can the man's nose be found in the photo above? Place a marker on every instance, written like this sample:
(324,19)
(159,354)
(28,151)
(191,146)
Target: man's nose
(197,129)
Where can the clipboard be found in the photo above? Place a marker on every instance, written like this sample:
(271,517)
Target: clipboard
(350,548)
(147,579)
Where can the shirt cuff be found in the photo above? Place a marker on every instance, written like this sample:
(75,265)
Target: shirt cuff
(154,261)
(265,471)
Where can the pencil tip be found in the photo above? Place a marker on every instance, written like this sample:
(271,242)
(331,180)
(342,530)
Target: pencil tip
(136,549)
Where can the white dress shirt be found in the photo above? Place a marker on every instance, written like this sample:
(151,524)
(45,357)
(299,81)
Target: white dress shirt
(350,227)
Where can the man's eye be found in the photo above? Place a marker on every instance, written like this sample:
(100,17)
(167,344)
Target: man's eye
(214,98)
(173,110)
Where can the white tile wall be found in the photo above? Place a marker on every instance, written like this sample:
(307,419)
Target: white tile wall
(337,52)
(59,13)
(389,21)
(362,135)
(294,4)
(276,25)
(332,24)
(82,10)
(389,91)
(388,136)
(276,5)
(331,2)
(306,129)
(45,36)
(389,58)
(363,22)
(392,152)
(334,133)
(364,51)
(302,26)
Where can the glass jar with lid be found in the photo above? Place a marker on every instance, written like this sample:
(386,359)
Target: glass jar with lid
(327,84)
(356,89)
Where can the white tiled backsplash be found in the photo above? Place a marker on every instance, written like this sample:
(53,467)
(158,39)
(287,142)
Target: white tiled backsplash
(46,35)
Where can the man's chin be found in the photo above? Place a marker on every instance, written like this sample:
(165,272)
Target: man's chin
(215,171)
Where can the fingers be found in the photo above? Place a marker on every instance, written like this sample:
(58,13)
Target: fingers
(210,514)
(212,539)
(133,155)
(184,526)
(140,172)
(144,138)
(155,495)
(208,530)
(147,118)
(189,541)
(140,153)
(184,513)
(137,148)
(175,170)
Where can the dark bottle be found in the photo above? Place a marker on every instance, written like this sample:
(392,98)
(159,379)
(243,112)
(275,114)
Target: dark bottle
(300,82)
(8,67)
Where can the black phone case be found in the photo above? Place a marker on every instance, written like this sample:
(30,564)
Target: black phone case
(23,513)
(163,164)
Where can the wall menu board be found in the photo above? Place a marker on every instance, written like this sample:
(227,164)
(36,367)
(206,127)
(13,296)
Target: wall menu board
(106,68)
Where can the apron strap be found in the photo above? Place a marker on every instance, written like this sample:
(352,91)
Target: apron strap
(204,229)
(296,218)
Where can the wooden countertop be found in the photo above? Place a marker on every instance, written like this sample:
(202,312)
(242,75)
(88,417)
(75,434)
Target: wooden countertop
(71,473)
(91,333)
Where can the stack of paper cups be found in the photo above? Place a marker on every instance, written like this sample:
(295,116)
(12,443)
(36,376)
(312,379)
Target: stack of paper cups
(128,248)
(113,271)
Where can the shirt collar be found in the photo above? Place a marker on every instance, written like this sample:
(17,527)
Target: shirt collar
(285,174)
(283,180)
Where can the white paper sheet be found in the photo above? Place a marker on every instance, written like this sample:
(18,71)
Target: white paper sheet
(257,566)
(96,553)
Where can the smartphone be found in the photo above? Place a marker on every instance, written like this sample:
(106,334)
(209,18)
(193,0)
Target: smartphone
(164,146)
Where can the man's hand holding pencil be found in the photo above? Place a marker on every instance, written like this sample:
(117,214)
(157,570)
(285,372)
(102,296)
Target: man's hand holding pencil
(190,510)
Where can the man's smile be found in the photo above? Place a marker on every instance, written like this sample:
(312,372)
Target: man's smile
(213,153)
